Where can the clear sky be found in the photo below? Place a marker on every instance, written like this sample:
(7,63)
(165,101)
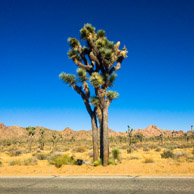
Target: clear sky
(156,82)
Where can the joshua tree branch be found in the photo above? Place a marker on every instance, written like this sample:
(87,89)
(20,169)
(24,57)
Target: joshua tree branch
(82,56)
(85,99)
(81,65)
(118,65)
(92,57)
(86,89)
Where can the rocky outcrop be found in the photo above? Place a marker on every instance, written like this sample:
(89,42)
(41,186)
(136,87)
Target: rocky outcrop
(19,133)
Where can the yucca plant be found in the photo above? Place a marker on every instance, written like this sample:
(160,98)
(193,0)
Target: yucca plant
(31,132)
(42,138)
(97,62)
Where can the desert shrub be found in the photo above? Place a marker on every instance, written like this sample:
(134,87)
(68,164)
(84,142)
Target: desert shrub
(63,160)
(148,160)
(80,149)
(129,150)
(124,146)
(97,162)
(152,146)
(15,162)
(146,149)
(52,156)
(158,149)
(111,162)
(0,163)
(41,156)
(193,151)
(6,142)
(115,153)
(133,158)
(178,155)
(65,149)
(190,159)
(30,161)
(15,153)
(135,148)
(171,147)
(182,146)
(138,146)
(167,154)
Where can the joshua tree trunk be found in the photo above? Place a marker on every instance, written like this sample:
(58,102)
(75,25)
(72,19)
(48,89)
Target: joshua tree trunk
(94,136)
(30,144)
(130,141)
(105,142)
(42,146)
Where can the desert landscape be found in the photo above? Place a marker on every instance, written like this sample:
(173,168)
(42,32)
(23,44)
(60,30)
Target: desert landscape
(70,152)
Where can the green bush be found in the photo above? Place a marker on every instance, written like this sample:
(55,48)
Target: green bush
(97,162)
(111,162)
(167,154)
(62,160)
(115,153)
(158,149)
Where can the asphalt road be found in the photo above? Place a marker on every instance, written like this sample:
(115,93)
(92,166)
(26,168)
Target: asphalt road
(132,185)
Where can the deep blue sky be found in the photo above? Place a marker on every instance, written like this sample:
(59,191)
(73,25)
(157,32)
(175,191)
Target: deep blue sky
(156,82)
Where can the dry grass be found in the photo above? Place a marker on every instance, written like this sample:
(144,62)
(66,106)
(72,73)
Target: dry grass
(138,162)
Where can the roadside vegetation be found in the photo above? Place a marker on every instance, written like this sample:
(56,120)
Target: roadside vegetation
(149,155)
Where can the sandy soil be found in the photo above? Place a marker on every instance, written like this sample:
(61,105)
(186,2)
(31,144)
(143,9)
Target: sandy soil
(126,167)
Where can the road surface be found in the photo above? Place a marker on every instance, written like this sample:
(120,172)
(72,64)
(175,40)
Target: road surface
(93,185)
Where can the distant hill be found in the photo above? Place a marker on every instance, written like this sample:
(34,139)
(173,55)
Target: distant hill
(19,133)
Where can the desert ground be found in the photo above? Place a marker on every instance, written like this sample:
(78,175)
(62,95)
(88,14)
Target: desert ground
(61,158)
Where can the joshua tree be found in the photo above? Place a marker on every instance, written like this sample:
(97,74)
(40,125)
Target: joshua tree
(162,138)
(96,63)
(191,127)
(31,132)
(130,139)
(140,136)
(42,139)
(173,132)
(54,139)
(186,137)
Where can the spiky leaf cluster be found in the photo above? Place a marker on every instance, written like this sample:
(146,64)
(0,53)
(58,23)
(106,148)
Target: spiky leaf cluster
(96,79)
(95,101)
(68,78)
(31,131)
(73,42)
(86,30)
(112,95)
(111,79)
(54,134)
(101,34)
(73,54)
(82,74)
(42,132)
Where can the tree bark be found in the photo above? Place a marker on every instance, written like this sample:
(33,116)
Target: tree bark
(30,144)
(105,136)
(94,136)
